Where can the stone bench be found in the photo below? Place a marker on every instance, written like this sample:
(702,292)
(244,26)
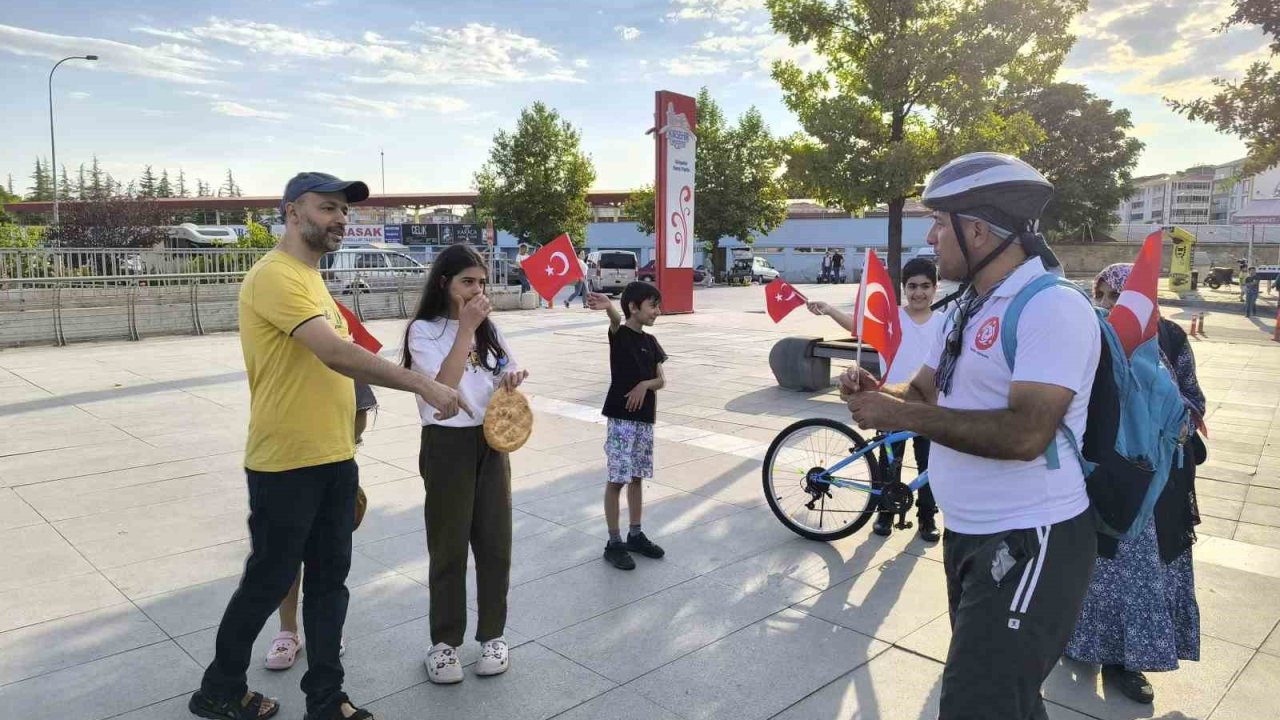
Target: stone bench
(804,363)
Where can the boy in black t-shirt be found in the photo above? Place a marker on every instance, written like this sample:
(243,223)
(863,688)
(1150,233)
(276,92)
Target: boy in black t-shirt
(635,367)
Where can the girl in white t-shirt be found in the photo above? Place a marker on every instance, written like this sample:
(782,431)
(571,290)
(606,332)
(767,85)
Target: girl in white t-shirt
(920,327)
(468,484)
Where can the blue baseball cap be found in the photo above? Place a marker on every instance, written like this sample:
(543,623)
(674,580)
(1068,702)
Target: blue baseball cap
(305,182)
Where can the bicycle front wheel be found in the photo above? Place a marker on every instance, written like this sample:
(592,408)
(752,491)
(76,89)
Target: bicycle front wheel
(797,482)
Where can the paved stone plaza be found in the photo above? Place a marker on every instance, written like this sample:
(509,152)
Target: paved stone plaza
(122,515)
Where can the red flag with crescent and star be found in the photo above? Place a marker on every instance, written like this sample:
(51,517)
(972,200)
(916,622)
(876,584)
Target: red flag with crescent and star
(877,309)
(1136,315)
(780,299)
(552,267)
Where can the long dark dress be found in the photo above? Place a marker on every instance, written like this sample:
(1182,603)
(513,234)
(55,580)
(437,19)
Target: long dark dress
(1141,610)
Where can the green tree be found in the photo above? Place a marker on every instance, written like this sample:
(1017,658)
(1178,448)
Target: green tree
(41,183)
(738,191)
(229,187)
(82,187)
(99,181)
(147,185)
(256,234)
(639,206)
(1248,107)
(65,191)
(907,85)
(163,188)
(181,188)
(535,183)
(1088,185)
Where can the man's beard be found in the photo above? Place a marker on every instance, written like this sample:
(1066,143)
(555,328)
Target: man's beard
(317,238)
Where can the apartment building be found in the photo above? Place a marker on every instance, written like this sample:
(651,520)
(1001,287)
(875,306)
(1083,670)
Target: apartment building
(1182,198)
(1232,192)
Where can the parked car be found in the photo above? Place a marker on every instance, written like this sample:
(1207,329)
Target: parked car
(364,268)
(762,271)
(649,273)
(609,271)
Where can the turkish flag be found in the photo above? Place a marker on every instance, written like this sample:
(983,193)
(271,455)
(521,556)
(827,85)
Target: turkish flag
(552,267)
(359,335)
(780,299)
(1137,313)
(877,309)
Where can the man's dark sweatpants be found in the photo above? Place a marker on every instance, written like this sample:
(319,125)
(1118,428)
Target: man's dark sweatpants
(1014,599)
(296,517)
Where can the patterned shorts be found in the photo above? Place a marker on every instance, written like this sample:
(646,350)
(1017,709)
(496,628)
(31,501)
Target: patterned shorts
(628,445)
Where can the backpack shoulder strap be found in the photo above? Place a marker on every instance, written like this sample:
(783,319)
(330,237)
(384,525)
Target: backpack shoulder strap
(1013,313)
(1009,344)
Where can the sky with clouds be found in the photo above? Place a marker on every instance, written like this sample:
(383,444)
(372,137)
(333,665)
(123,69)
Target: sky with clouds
(271,87)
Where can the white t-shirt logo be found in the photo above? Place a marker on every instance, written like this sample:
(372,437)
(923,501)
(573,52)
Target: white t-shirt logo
(987,334)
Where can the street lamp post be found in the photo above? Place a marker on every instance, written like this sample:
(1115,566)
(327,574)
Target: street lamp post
(53,145)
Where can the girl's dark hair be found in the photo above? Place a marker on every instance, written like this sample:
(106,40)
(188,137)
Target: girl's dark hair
(435,303)
(636,293)
(920,266)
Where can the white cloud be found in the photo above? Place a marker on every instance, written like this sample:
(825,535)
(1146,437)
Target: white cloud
(168,34)
(339,126)
(729,12)
(473,54)
(581,63)
(202,94)
(733,44)
(235,109)
(627,32)
(166,61)
(78,95)
(695,65)
(270,39)
(1156,48)
(364,107)
(756,52)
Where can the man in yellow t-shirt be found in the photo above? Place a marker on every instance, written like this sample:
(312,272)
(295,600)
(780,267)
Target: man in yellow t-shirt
(299,457)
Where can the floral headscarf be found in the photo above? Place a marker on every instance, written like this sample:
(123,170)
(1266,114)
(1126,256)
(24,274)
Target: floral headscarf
(1115,275)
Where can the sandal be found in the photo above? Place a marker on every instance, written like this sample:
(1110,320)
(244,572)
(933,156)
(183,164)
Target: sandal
(335,712)
(284,650)
(254,708)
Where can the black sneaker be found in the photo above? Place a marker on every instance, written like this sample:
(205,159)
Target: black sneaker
(616,553)
(883,525)
(928,528)
(1133,684)
(643,545)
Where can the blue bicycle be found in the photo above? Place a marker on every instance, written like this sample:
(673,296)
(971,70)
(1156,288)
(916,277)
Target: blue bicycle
(824,482)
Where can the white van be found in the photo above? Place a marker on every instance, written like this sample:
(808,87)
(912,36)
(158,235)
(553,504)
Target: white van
(609,271)
(363,268)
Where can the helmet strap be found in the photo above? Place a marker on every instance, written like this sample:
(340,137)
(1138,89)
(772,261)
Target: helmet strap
(971,269)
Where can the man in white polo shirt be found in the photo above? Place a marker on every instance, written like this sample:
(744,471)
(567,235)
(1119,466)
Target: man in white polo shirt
(1020,540)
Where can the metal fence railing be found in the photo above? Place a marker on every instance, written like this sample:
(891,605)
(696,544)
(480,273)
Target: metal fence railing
(44,262)
(1243,234)
(38,309)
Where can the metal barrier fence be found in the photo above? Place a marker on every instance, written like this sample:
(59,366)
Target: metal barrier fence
(1243,234)
(43,262)
(58,310)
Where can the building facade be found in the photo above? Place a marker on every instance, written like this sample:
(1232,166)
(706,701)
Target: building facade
(1178,199)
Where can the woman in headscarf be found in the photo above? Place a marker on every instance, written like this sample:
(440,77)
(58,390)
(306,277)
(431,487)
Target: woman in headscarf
(1141,614)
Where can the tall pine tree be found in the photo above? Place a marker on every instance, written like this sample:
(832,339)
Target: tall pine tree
(81,187)
(41,188)
(229,188)
(182,184)
(163,189)
(99,182)
(65,192)
(147,185)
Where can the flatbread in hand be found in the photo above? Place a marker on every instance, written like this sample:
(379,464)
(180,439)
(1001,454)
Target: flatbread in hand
(508,422)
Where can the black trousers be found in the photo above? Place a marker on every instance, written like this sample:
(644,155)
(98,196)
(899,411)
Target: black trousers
(925,504)
(1014,599)
(295,516)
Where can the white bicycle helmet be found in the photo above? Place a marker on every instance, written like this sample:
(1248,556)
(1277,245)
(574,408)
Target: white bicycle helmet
(1005,192)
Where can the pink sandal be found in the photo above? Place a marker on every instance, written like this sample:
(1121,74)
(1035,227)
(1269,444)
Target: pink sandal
(284,650)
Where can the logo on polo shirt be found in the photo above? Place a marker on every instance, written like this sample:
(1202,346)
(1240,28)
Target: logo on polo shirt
(987,334)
